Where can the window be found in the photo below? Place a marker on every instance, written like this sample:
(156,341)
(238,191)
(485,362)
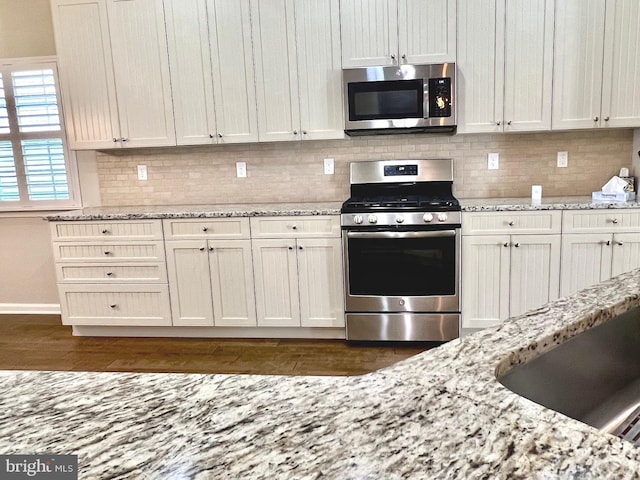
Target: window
(37,172)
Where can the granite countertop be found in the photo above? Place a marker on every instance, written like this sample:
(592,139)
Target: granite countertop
(197,211)
(326,208)
(439,414)
(550,203)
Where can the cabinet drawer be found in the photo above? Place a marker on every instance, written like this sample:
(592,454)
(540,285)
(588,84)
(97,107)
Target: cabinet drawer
(231,228)
(593,221)
(496,223)
(109,251)
(302,226)
(111,273)
(107,230)
(121,305)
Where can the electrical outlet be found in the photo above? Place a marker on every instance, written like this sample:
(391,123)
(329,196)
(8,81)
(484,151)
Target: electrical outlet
(142,172)
(563,159)
(241,169)
(493,161)
(329,166)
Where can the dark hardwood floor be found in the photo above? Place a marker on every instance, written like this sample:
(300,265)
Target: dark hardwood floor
(41,342)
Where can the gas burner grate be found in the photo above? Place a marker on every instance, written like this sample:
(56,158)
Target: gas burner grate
(629,429)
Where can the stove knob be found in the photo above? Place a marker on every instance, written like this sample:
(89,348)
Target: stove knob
(428,217)
(399,219)
(357,219)
(373,219)
(442,217)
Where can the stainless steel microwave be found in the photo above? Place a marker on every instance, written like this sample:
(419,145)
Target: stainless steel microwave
(400,99)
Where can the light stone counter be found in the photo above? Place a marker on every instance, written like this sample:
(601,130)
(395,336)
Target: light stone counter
(438,415)
(550,203)
(197,211)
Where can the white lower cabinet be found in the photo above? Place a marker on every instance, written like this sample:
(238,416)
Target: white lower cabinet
(210,273)
(211,282)
(512,268)
(597,245)
(298,271)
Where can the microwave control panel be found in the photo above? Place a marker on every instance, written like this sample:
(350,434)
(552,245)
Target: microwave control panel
(439,97)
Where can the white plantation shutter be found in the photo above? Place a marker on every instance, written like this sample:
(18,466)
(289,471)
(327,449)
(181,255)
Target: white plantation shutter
(36,169)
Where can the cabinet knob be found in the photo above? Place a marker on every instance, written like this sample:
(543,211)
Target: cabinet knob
(113,305)
(517,245)
(211,135)
(505,244)
(202,249)
(290,247)
(606,119)
(114,139)
(620,243)
(608,242)
(104,231)
(294,227)
(614,220)
(300,247)
(205,229)
(211,249)
(510,223)
(393,57)
(124,139)
(498,123)
(404,57)
(107,252)
(509,122)
(109,274)
(219,135)
(596,118)
(295,132)
(304,132)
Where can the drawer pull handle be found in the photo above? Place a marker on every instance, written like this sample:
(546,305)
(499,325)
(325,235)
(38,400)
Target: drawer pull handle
(290,248)
(608,242)
(113,305)
(517,245)
(109,274)
(205,229)
(202,249)
(614,220)
(107,252)
(505,244)
(621,243)
(104,231)
(511,223)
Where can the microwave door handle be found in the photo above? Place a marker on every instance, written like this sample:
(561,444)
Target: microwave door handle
(419,234)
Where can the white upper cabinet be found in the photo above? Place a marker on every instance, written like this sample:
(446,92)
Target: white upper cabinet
(298,75)
(114,72)
(212,75)
(392,32)
(504,62)
(597,63)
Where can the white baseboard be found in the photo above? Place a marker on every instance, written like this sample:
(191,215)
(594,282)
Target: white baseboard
(29,309)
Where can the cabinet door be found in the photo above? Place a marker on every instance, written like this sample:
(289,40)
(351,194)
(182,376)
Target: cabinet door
(276,277)
(141,66)
(485,280)
(626,253)
(320,74)
(189,283)
(86,73)
(586,260)
(321,282)
(232,283)
(191,79)
(577,71)
(233,72)
(528,65)
(620,90)
(535,272)
(426,31)
(480,63)
(276,69)
(369,31)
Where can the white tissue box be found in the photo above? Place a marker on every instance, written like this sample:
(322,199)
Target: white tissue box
(613,197)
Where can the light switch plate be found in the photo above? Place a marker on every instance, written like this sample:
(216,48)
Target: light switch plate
(142,172)
(329,166)
(493,161)
(563,159)
(241,169)
(536,194)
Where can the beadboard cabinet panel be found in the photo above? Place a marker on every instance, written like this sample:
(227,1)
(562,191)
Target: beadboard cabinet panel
(426,31)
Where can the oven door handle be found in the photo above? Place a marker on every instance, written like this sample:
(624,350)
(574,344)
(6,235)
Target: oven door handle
(419,234)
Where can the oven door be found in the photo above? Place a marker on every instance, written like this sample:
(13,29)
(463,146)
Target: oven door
(402,271)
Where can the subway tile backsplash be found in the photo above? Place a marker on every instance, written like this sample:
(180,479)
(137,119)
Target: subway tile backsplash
(293,171)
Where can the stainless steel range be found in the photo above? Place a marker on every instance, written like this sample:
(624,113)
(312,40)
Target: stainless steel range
(401,242)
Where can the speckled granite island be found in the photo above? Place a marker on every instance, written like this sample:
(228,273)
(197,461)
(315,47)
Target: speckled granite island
(440,414)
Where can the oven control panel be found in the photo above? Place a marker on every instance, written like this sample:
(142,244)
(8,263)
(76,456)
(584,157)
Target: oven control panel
(400,170)
(401,218)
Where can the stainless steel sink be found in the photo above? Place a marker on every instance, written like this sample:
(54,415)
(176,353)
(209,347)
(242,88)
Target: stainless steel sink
(593,377)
